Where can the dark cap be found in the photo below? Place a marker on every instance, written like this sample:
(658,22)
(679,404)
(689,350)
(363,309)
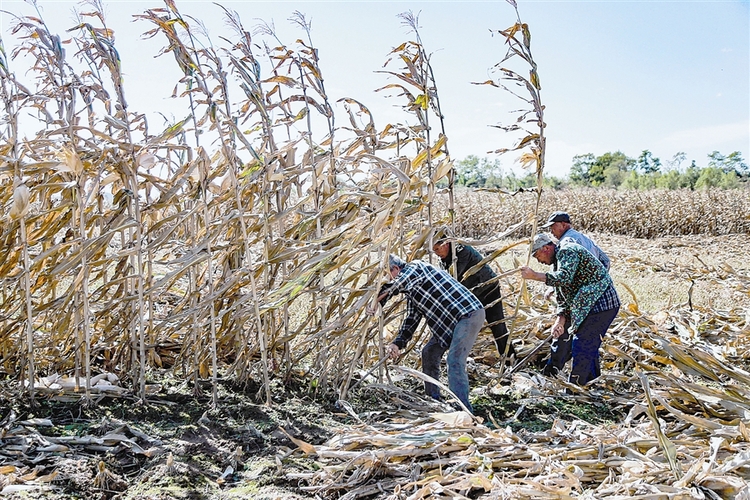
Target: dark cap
(557,217)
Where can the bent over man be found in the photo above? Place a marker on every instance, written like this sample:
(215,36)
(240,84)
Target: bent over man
(488,294)
(587,305)
(455,317)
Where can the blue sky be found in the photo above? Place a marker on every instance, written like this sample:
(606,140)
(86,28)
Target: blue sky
(667,76)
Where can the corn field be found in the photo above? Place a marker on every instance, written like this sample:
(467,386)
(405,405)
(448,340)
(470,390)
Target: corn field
(646,214)
(243,241)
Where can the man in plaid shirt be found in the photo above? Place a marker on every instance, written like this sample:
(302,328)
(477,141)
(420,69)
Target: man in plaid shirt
(455,317)
(587,305)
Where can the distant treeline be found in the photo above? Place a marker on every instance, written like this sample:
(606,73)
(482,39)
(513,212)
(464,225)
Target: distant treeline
(616,170)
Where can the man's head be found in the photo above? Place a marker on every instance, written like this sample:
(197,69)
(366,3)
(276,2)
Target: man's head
(543,248)
(442,241)
(395,265)
(558,223)
(442,248)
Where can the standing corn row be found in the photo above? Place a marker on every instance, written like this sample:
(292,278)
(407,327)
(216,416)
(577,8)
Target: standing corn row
(244,239)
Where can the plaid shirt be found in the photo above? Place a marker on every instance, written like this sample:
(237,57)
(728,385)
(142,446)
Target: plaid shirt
(582,284)
(608,300)
(433,294)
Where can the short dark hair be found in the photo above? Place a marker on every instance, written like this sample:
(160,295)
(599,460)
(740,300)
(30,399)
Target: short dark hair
(441,234)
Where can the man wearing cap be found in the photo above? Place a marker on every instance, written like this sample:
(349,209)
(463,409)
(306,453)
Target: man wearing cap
(587,305)
(560,227)
(488,294)
(455,317)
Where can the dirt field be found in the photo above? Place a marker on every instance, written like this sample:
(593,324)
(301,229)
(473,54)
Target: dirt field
(176,446)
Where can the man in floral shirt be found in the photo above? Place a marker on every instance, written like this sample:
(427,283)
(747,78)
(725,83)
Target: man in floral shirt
(587,305)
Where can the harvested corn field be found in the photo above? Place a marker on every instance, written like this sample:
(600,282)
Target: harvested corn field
(183,306)
(667,418)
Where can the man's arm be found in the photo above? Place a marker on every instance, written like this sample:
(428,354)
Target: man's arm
(567,264)
(409,326)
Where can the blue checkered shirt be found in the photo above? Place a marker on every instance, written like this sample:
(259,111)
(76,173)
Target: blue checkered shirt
(608,300)
(433,294)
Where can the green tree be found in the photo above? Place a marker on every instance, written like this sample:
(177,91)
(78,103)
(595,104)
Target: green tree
(691,175)
(731,163)
(730,180)
(581,168)
(672,179)
(633,180)
(715,177)
(676,162)
(608,169)
(554,182)
(709,177)
(473,171)
(615,167)
(647,163)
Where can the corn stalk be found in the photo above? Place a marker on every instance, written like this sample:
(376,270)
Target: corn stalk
(532,144)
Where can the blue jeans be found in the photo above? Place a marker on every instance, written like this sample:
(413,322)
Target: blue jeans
(464,336)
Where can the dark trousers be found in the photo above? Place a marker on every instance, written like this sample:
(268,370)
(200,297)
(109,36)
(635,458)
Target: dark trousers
(495,314)
(583,348)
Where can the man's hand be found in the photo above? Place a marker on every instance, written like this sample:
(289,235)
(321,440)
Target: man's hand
(392,351)
(382,298)
(530,274)
(559,327)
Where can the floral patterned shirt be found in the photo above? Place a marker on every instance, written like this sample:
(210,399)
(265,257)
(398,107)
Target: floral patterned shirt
(582,284)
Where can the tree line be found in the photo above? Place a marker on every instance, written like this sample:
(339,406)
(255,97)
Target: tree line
(615,170)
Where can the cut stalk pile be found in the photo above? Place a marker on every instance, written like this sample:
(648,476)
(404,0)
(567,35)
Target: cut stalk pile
(681,375)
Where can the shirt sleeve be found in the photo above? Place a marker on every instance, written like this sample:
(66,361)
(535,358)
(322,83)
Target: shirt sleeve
(604,259)
(409,326)
(407,279)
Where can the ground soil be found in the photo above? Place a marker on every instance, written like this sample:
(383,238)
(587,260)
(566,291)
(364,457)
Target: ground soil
(240,449)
